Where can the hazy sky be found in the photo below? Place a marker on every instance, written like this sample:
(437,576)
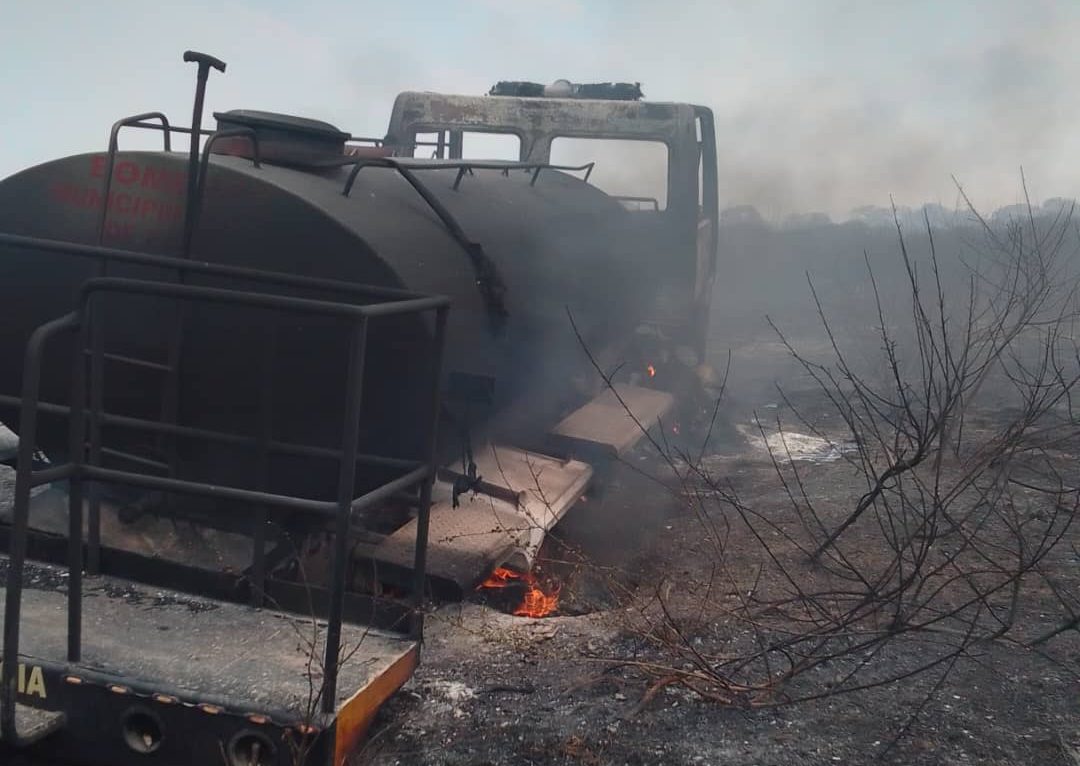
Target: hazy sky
(820,105)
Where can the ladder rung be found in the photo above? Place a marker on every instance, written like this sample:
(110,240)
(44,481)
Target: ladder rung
(133,361)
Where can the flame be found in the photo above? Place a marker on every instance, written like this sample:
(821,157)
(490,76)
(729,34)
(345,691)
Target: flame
(651,370)
(536,603)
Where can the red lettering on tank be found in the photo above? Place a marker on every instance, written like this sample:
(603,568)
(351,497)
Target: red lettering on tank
(118,229)
(162,179)
(140,193)
(127,173)
(153,178)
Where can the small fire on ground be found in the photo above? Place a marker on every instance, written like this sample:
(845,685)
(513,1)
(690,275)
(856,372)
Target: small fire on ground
(537,600)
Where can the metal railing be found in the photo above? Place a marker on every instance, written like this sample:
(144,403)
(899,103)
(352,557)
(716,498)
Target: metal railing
(82,467)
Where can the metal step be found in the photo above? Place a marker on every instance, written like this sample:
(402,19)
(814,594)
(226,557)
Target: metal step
(464,543)
(527,493)
(33,724)
(612,423)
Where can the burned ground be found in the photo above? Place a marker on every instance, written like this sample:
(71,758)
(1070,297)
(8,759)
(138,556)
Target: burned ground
(595,689)
(889,581)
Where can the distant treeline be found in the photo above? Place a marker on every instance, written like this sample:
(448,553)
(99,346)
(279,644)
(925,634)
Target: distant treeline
(876,216)
(763,267)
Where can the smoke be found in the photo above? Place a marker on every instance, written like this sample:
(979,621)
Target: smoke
(846,104)
(831,105)
(821,106)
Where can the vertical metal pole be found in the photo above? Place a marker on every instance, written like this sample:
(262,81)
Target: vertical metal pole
(77,450)
(350,442)
(171,405)
(266,435)
(423,515)
(97,343)
(97,351)
(205,64)
(21,515)
(97,406)
(110,161)
(9,666)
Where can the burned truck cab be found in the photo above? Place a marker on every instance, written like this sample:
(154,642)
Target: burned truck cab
(657,159)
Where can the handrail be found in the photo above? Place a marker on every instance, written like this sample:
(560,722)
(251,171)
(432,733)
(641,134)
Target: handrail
(399,162)
(110,159)
(204,267)
(9,665)
(170,128)
(488,279)
(191,220)
(256,300)
(196,200)
(492,288)
(221,437)
(77,470)
(136,121)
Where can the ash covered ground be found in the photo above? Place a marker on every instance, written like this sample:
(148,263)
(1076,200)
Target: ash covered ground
(572,689)
(595,687)
(498,689)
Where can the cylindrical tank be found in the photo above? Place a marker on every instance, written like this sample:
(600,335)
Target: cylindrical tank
(560,247)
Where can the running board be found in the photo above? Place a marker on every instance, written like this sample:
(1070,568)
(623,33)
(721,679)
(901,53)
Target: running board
(613,423)
(520,497)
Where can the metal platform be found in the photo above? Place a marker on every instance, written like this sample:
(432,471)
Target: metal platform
(154,537)
(522,496)
(34,724)
(612,423)
(523,493)
(180,655)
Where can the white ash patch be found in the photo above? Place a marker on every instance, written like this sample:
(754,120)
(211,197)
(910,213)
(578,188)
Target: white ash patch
(793,446)
(451,691)
(438,698)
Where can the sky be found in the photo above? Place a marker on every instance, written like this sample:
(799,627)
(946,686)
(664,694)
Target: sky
(821,105)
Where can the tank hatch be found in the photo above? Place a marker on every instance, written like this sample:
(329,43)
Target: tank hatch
(283,139)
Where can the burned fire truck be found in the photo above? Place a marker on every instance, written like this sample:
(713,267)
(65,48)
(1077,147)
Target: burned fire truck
(276,389)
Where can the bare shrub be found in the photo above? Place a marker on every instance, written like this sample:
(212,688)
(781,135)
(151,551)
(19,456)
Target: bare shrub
(955,503)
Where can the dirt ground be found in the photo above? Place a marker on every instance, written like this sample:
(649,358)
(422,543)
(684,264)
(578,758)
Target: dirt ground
(498,689)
